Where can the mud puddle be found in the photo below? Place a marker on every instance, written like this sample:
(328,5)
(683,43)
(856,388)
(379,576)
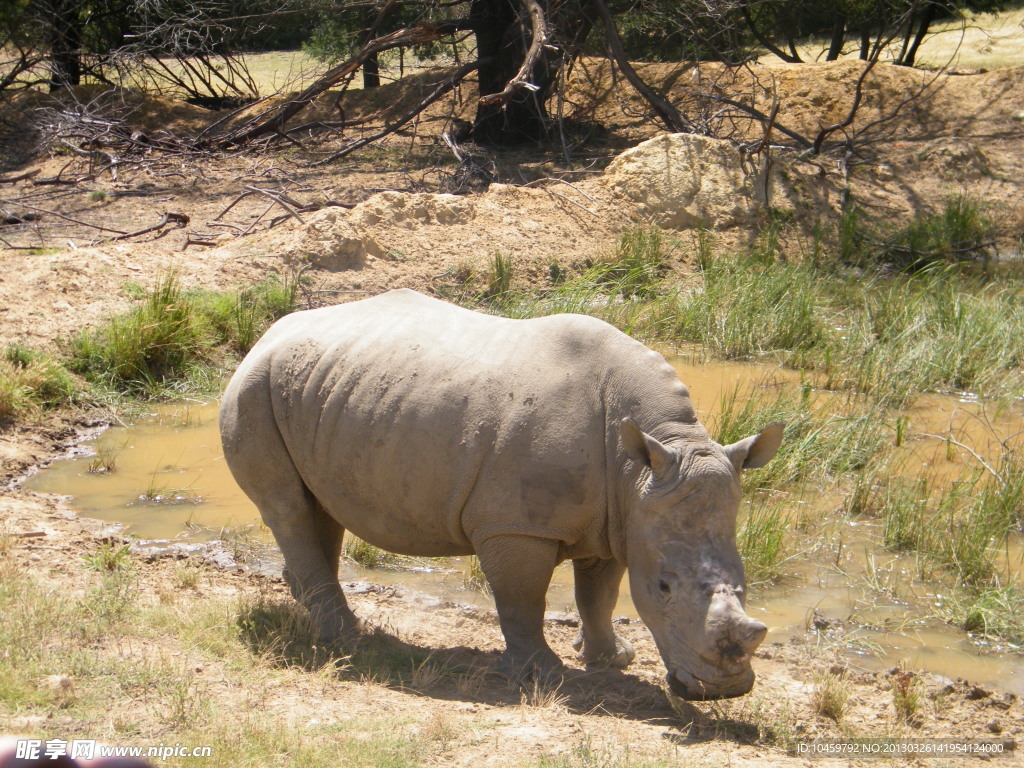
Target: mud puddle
(166,479)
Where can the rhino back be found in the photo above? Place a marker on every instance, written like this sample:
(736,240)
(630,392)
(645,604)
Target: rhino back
(424,427)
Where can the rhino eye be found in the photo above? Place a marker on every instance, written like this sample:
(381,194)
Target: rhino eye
(665,588)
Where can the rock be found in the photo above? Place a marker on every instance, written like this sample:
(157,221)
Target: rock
(977,692)
(1019,115)
(61,687)
(682,181)
(994,726)
(562,618)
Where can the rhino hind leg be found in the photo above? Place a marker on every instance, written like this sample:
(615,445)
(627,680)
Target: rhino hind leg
(308,537)
(597,589)
(519,569)
(310,541)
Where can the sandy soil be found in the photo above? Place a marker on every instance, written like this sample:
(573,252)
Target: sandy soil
(967,135)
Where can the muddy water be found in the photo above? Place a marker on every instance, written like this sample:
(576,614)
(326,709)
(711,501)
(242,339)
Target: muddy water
(169,480)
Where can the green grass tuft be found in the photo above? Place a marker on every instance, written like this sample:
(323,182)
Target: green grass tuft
(365,554)
(30,382)
(171,337)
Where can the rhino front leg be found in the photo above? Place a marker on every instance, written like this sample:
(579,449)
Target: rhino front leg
(518,569)
(597,589)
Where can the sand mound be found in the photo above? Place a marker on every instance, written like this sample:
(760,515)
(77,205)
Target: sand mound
(681,181)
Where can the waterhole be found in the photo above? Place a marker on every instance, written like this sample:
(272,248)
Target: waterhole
(165,478)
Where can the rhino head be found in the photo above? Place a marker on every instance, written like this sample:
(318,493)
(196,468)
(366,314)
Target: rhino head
(685,572)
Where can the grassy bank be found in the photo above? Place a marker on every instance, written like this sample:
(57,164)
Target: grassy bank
(174,341)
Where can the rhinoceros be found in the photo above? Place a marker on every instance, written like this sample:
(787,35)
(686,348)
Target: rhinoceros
(433,430)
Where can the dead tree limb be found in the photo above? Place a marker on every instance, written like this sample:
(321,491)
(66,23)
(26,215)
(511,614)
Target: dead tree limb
(274,122)
(19,177)
(859,88)
(858,93)
(669,115)
(539,32)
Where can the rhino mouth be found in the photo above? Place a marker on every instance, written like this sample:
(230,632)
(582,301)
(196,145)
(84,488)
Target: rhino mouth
(692,688)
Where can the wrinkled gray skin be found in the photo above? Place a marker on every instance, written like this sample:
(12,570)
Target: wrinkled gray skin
(427,429)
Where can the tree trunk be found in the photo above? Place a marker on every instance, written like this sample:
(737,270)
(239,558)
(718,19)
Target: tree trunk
(502,41)
(838,38)
(926,20)
(865,44)
(64,37)
(371,67)
(371,72)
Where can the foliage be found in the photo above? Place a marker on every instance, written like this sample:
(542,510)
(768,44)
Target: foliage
(365,554)
(761,541)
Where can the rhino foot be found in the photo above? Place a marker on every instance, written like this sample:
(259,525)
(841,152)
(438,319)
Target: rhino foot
(338,625)
(620,658)
(541,666)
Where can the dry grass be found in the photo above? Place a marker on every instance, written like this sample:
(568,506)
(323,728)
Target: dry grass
(981,41)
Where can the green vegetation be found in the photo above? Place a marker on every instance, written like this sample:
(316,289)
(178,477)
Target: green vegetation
(365,554)
(73,655)
(474,577)
(937,328)
(173,335)
(31,382)
(173,341)
(907,694)
(831,694)
(761,539)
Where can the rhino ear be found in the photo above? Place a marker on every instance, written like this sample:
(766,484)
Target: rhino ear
(643,448)
(756,451)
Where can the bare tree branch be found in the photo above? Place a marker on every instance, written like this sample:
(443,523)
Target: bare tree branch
(275,122)
(669,115)
(446,86)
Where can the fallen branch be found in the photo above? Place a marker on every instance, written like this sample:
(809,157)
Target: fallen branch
(274,123)
(177,218)
(669,115)
(62,216)
(954,441)
(19,177)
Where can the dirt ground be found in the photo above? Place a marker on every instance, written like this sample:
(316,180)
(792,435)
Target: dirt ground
(965,134)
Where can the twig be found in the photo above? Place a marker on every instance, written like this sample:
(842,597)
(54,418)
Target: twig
(433,96)
(66,218)
(281,199)
(970,450)
(572,202)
